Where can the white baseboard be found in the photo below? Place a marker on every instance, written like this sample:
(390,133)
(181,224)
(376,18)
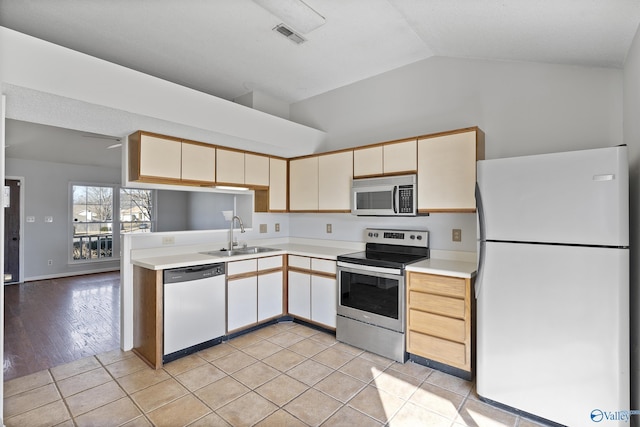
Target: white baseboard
(69,274)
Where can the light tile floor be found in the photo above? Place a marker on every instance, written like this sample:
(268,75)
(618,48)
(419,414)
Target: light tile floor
(281,375)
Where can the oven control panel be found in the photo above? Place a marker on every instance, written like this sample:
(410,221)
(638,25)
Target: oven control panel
(418,238)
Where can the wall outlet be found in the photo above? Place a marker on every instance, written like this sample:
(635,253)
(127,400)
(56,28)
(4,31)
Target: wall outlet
(329,228)
(456,235)
(31,219)
(277,227)
(168,240)
(50,262)
(48,219)
(263,228)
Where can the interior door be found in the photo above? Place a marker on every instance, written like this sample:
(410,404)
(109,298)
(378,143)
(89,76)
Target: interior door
(12,232)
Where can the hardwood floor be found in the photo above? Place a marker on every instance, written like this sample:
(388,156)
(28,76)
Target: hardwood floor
(52,322)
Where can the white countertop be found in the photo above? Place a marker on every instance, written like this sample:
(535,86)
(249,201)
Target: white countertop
(197,258)
(445,267)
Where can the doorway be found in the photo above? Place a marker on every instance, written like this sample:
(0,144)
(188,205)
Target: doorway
(12,230)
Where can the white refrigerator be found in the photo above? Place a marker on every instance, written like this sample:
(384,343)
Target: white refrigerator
(553,285)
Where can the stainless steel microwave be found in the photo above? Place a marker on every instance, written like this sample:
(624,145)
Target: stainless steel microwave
(387,196)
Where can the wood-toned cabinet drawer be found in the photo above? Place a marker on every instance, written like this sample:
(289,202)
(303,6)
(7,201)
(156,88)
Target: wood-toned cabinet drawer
(441,285)
(437,349)
(437,304)
(440,326)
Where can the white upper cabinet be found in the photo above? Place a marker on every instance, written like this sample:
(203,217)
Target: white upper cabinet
(256,170)
(277,184)
(230,166)
(198,162)
(152,156)
(385,159)
(447,171)
(367,161)
(161,159)
(400,157)
(335,172)
(303,184)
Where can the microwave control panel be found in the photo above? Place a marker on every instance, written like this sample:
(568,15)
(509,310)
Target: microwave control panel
(405,199)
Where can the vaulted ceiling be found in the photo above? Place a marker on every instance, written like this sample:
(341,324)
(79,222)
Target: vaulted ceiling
(228,48)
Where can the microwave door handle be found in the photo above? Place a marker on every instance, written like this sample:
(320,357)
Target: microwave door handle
(395,195)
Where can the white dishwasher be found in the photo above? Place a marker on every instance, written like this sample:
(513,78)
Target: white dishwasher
(194,309)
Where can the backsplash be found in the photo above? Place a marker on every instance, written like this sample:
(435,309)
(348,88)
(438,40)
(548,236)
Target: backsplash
(348,227)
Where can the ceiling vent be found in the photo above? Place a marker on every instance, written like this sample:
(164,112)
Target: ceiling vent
(289,33)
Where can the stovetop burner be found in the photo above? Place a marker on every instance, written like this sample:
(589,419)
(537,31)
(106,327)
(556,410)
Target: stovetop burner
(391,248)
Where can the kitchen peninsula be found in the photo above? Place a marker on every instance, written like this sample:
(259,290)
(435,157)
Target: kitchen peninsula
(297,285)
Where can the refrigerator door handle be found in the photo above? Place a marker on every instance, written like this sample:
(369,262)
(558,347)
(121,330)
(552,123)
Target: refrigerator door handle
(481,237)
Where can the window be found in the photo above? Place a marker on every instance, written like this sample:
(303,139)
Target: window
(135,210)
(92,222)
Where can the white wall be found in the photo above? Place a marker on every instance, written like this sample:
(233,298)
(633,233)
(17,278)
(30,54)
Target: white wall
(347,227)
(632,139)
(524,108)
(46,189)
(57,72)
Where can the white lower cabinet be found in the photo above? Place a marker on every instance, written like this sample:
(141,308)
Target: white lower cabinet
(313,290)
(269,295)
(242,303)
(255,291)
(300,294)
(324,300)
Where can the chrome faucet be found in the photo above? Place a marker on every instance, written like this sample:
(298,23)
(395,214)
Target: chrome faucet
(231,230)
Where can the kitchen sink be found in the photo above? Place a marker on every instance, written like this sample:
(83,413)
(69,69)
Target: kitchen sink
(241,251)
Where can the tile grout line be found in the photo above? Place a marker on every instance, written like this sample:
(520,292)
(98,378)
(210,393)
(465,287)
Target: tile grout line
(104,366)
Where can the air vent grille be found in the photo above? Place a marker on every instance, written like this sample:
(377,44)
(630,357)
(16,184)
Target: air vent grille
(290,34)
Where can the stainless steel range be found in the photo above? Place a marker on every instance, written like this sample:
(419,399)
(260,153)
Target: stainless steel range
(371,290)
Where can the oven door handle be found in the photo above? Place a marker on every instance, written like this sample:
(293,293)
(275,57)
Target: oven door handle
(363,269)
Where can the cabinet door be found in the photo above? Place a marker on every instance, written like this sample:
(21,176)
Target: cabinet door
(198,163)
(447,172)
(324,300)
(335,172)
(277,184)
(242,303)
(300,294)
(269,295)
(160,157)
(256,170)
(367,161)
(303,184)
(230,166)
(400,157)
